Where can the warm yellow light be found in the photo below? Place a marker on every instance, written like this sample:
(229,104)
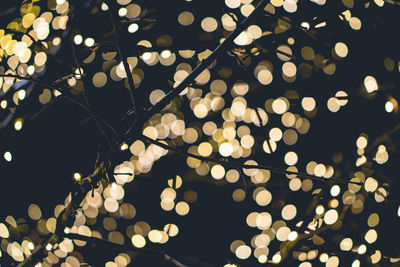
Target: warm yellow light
(243,252)
(346,244)
(31,246)
(335,190)
(104,7)
(138,241)
(319,209)
(77,176)
(146,56)
(21,94)
(18,124)
(155,236)
(124,146)
(361,142)
(182,208)
(370,84)
(331,216)
(49,247)
(205,149)
(122,12)
(225,149)
(289,69)
(289,212)
(371,184)
(166,53)
(78,39)
(209,24)
(279,106)
(373,220)
(291,158)
(355,263)
(371,236)
(276,258)
(8,156)
(292,236)
(355,23)
(308,103)
(362,249)
(305,25)
(341,49)
(3,104)
(89,42)
(232,3)
(4,233)
(218,172)
(133,28)
(389,106)
(323,257)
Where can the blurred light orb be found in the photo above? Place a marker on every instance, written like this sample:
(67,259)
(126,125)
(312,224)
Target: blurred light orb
(389,106)
(7,156)
(225,149)
(89,42)
(290,6)
(243,252)
(138,241)
(133,28)
(370,84)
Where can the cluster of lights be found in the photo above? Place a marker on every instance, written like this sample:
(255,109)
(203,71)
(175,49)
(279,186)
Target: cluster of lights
(232,138)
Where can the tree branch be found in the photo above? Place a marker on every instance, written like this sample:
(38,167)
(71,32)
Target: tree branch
(106,243)
(229,163)
(222,48)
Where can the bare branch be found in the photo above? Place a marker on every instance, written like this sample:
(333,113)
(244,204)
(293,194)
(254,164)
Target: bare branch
(230,163)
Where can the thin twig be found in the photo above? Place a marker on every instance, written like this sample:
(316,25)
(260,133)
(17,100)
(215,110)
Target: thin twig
(124,62)
(40,82)
(260,120)
(221,48)
(231,164)
(93,115)
(295,26)
(106,243)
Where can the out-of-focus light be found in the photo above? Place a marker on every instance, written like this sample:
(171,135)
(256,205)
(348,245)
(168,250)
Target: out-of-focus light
(77,176)
(146,55)
(389,106)
(335,190)
(138,241)
(3,104)
(8,156)
(104,7)
(370,84)
(49,247)
(166,54)
(292,236)
(122,11)
(18,124)
(124,146)
(305,25)
(133,28)
(31,69)
(276,258)
(89,42)
(78,39)
(21,94)
(362,249)
(31,246)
